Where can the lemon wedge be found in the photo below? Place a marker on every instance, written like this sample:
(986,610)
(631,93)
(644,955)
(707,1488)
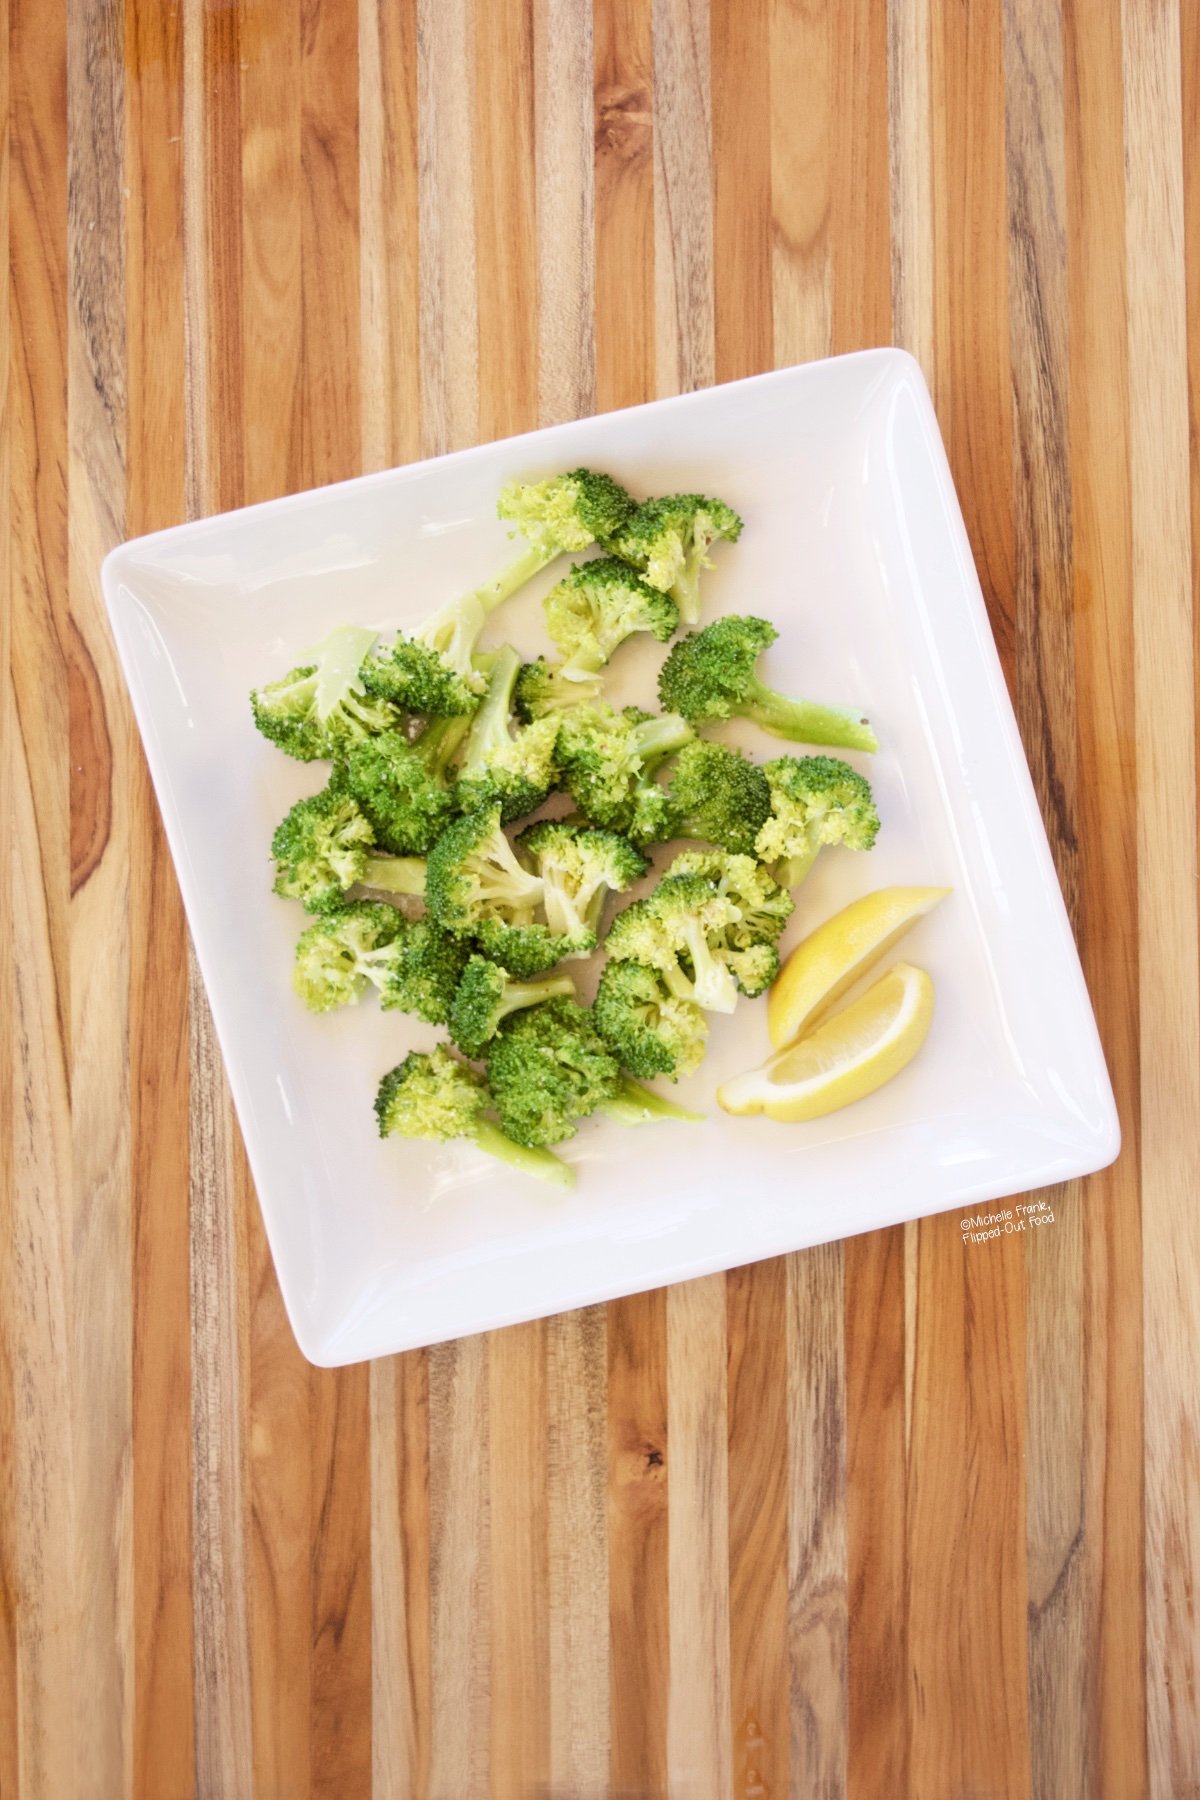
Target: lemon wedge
(854,1052)
(831,958)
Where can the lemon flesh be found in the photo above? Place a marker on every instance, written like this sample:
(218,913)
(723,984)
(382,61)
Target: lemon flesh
(848,1057)
(832,958)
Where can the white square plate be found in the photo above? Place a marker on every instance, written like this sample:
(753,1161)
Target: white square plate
(855,546)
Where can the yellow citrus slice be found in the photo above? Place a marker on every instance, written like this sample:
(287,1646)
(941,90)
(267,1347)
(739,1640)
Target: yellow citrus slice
(854,1052)
(830,959)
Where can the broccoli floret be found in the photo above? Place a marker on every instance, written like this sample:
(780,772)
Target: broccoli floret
(416,678)
(524,950)
(709,675)
(567,513)
(607,760)
(414,965)
(719,795)
(579,867)
(402,785)
(473,878)
(763,907)
(435,1096)
(321,848)
(679,929)
(754,967)
(320,707)
(514,772)
(815,800)
(644,1025)
(548,1067)
(543,689)
(344,953)
(668,540)
(487,994)
(597,605)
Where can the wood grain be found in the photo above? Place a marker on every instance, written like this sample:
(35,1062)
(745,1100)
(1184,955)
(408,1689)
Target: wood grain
(886,1518)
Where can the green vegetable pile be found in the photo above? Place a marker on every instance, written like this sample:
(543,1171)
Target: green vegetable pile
(438,746)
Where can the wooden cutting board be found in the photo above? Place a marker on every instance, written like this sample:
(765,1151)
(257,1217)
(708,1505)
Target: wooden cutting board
(906,1516)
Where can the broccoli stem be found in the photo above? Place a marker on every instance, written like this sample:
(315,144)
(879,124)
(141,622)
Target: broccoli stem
(339,658)
(790,871)
(806,721)
(488,732)
(633,1104)
(514,575)
(439,742)
(656,739)
(541,1164)
(394,874)
(520,994)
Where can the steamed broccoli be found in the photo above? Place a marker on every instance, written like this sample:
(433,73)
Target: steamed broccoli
(321,848)
(543,688)
(596,606)
(607,760)
(487,994)
(434,669)
(763,906)
(709,675)
(645,1026)
(319,707)
(414,965)
(568,512)
(633,1104)
(815,800)
(668,540)
(548,1067)
(514,772)
(679,929)
(691,929)
(435,1096)
(579,867)
(475,887)
(402,785)
(718,795)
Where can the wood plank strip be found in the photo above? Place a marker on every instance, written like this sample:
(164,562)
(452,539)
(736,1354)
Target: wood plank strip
(10,1724)
(760,1665)
(966,1520)
(911,177)
(860,233)
(816,1557)
(879,1644)
(699,1736)
(96,1216)
(505,222)
(36,1122)
(449,320)
(400,1643)
(519,1687)
(638,1473)
(389,304)
(563,58)
(801,49)
(163,1619)
(740,52)
(576,1476)
(683,227)
(459,1566)
(623,71)
(1164,644)
(339,1527)
(1102,561)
